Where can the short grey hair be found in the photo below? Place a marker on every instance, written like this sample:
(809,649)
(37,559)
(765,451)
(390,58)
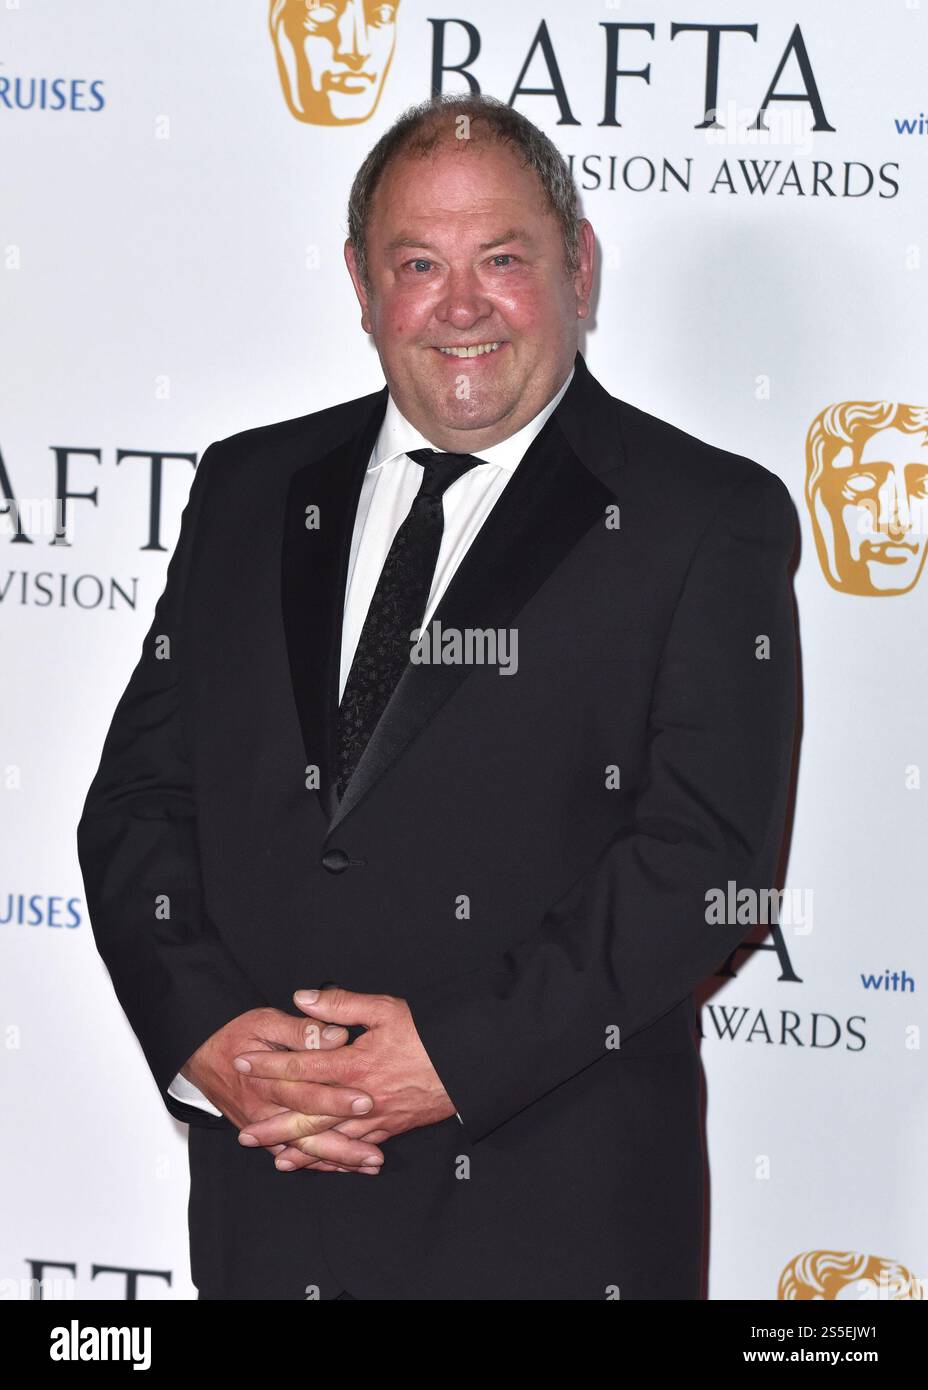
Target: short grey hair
(421,128)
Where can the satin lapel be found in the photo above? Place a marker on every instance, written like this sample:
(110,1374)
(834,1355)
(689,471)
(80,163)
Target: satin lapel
(314,564)
(551,501)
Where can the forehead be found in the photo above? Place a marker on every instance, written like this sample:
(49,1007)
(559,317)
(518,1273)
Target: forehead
(895,446)
(323,11)
(460,181)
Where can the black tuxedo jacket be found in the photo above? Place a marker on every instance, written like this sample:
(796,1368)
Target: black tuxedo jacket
(581,808)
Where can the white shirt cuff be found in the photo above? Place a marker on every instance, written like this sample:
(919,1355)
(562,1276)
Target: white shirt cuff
(185,1091)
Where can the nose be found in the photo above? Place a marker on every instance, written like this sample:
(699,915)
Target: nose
(353,44)
(463,303)
(895,513)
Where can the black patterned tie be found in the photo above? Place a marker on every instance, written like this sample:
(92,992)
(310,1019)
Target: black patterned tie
(396,609)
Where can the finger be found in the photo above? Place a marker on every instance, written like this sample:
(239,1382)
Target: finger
(309,1101)
(336,1148)
(297,1161)
(296,1156)
(288,1030)
(289,1125)
(293,1031)
(294,1161)
(320,1036)
(306,1160)
(336,1066)
(314,1165)
(367,1169)
(362,1129)
(342,1005)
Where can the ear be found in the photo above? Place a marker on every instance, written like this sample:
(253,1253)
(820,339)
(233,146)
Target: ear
(583,278)
(360,291)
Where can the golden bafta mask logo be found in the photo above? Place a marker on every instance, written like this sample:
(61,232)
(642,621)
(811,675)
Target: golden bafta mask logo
(846,1275)
(332,56)
(867,494)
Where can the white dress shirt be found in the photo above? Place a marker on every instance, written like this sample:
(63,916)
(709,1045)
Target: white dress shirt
(390,485)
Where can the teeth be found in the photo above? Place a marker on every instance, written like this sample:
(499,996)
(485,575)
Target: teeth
(476,351)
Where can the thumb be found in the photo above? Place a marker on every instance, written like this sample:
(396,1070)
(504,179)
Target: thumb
(337,1005)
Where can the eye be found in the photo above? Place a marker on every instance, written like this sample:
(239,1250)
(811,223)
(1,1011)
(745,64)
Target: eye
(382,14)
(317,15)
(504,256)
(859,483)
(918,487)
(418,266)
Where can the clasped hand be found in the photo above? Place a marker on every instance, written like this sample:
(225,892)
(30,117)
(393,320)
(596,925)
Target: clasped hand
(296,1089)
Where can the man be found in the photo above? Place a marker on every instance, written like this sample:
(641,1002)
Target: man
(498,876)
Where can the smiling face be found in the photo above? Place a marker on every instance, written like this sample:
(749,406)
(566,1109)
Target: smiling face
(470,305)
(878,501)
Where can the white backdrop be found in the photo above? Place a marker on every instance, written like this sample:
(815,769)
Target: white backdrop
(170,235)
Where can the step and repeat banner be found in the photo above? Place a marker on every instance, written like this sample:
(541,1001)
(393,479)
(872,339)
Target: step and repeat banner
(172,215)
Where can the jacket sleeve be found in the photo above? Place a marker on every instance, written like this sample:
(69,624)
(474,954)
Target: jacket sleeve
(630,939)
(138,851)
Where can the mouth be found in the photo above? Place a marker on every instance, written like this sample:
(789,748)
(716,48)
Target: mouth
(347,81)
(890,553)
(472,350)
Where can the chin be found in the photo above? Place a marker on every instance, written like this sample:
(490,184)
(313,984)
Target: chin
(482,408)
(476,420)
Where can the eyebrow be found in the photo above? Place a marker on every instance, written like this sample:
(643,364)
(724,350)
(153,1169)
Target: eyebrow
(513,234)
(888,463)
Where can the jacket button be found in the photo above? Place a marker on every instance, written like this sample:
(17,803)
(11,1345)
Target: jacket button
(335,860)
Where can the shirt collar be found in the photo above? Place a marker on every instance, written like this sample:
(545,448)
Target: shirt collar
(397,436)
